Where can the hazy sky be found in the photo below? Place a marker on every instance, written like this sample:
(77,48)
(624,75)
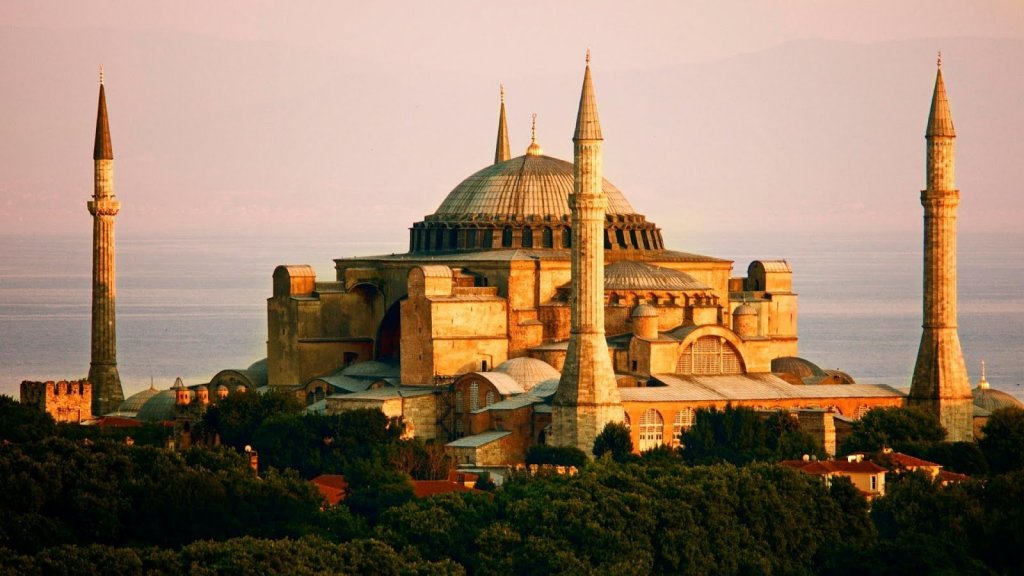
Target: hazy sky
(354,119)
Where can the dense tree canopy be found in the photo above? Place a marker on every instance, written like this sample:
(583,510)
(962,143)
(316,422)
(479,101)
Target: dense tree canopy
(906,429)
(739,435)
(614,440)
(1003,443)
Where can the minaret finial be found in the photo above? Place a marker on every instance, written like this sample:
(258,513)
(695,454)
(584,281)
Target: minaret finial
(501,87)
(588,56)
(983,383)
(938,61)
(534,149)
(101,74)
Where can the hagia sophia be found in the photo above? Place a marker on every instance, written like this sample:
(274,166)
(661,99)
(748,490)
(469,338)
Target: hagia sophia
(536,304)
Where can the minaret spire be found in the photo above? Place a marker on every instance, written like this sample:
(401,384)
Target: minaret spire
(940,382)
(588,395)
(501,150)
(107,394)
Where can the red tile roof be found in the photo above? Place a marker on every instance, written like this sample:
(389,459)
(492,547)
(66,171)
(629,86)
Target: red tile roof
(822,467)
(427,488)
(332,487)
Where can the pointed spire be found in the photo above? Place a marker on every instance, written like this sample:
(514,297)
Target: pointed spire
(588,125)
(534,149)
(102,150)
(940,121)
(501,150)
(983,383)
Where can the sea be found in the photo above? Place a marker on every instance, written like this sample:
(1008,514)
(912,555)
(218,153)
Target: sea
(191,306)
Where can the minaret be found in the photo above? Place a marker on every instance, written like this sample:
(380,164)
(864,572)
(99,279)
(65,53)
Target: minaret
(587,396)
(501,150)
(106,382)
(940,381)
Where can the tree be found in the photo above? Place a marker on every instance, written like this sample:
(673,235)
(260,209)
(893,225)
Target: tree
(21,423)
(740,435)
(1003,441)
(237,417)
(615,439)
(556,456)
(897,428)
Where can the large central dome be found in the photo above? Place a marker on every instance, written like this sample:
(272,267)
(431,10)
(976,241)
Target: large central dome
(530,185)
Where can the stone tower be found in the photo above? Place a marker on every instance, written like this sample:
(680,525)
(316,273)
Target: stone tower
(501,149)
(587,396)
(940,381)
(106,382)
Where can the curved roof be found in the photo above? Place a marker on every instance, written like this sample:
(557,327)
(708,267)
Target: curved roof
(134,402)
(372,368)
(631,275)
(644,311)
(744,310)
(529,185)
(798,367)
(991,399)
(503,383)
(160,407)
(528,372)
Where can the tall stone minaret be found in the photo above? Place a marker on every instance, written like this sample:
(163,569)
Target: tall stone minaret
(940,381)
(106,382)
(501,150)
(587,396)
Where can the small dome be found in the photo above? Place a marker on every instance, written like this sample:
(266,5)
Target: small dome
(160,407)
(528,372)
(644,311)
(135,402)
(745,310)
(798,367)
(372,368)
(991,399)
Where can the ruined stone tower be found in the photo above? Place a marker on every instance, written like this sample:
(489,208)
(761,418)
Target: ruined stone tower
(106,382)
(940,381)
(587,396)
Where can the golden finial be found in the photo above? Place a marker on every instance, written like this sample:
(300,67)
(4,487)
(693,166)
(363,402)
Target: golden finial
(588,56)
(534,149)
(502,88)
(101,74)
(983,383)
(938,61)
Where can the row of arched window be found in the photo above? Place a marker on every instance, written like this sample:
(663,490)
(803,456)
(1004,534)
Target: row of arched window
(441,238)
(474,399)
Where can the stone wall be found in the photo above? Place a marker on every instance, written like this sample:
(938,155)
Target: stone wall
(66,401)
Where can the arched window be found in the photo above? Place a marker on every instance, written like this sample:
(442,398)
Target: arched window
(474,396)
(489,399)
(547,238)
(620,239)
(319,394)
(488,238)
(566,237)
(861,411)
(460,400)
(527,237)
(506,237)
(471,238)
(710,355)
(683,421)
(453,238)
(652,428)
(438,238)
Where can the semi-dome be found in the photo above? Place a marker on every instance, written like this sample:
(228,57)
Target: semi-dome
(160,407)
(745,310)
(134,403)
(528,372)
(630,275)
(796,370)
(991,399)
(529,185)
(644,311)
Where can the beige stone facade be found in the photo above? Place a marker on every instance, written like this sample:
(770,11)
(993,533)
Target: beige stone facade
(537,260)
(66,401)
(103,207)
(940,380)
